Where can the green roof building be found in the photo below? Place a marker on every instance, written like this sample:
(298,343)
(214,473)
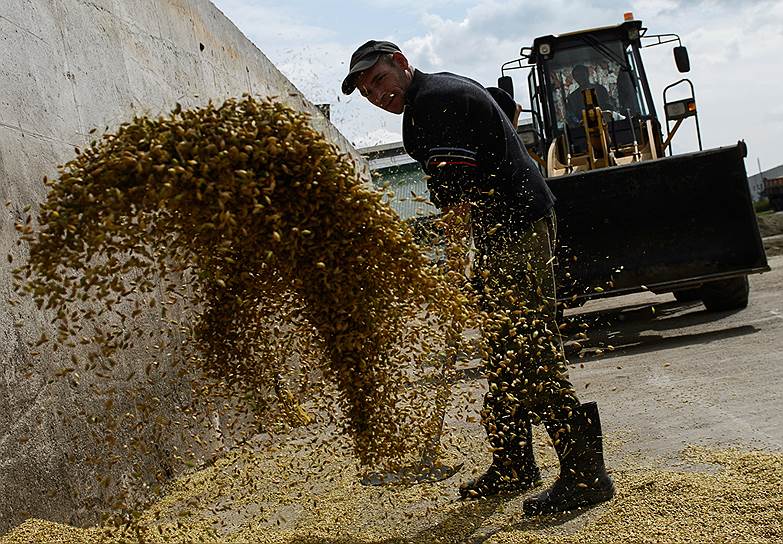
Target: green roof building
(391,167)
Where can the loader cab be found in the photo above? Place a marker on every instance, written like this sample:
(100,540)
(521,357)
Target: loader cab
(563,69)
(606,60)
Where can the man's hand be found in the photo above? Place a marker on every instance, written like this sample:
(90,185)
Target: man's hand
(517,112)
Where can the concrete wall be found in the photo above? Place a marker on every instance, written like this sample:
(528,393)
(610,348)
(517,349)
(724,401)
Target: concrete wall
(66,67)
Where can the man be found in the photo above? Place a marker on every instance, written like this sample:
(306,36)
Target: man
(480,173)
(575,102)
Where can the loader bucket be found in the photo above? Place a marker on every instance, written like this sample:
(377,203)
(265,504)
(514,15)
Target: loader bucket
(658,225)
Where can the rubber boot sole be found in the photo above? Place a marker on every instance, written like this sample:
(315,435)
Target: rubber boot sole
(546,504)
(472,491)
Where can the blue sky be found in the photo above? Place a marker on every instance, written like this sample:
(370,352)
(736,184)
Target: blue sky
(735,49)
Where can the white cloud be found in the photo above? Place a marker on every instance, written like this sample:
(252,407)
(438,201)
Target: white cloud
(733,45)
(653,8)
(267,23)
(735,70)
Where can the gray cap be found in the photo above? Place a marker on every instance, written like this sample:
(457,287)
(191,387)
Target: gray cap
(363,58)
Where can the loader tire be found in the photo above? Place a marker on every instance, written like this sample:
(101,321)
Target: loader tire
(725,295)
(687,295)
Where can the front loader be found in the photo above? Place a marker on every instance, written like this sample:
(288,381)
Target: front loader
(632,216)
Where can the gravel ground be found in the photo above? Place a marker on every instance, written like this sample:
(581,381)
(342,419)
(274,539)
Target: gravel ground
(771,228)
(770,224)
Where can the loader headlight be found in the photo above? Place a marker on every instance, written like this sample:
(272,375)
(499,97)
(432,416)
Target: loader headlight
(680,109)
(675,110)
(544,49)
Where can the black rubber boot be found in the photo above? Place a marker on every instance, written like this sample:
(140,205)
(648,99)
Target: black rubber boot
(513,465)
(583,478)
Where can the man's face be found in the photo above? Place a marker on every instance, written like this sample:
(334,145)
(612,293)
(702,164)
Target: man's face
(385,83)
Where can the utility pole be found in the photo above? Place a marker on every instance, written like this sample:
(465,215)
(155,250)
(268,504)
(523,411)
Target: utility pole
(760,185)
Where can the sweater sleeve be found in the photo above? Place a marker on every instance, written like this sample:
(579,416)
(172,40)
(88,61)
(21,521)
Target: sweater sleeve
(458,155)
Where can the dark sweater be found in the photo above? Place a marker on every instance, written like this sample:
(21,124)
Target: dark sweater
(466,145)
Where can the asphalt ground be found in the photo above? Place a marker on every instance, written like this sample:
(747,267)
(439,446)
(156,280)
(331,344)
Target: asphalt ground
(681,375)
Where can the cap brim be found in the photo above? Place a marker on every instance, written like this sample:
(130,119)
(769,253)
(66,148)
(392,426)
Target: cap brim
(349,83)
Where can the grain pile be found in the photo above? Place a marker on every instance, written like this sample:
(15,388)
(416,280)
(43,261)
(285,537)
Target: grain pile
(720,496)
(738,502)
(280,279)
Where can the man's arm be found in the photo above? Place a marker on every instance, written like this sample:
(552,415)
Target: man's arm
(462,132)
(605,100)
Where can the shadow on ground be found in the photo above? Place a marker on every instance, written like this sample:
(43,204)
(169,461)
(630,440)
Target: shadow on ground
(632,330)
(463,526)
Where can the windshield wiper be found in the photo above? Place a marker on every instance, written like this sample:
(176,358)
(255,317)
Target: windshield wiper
(605,51)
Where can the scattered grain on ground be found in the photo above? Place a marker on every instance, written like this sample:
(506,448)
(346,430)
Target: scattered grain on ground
(715,496)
